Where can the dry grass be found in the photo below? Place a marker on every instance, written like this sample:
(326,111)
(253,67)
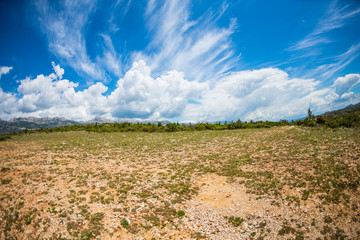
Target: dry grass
(282,182)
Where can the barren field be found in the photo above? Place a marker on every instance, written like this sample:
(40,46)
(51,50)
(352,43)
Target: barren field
(278,183)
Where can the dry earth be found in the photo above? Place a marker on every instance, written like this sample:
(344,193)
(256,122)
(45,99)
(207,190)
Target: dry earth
(278,183)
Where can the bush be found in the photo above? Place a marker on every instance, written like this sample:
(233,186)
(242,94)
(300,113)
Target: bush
(320,120)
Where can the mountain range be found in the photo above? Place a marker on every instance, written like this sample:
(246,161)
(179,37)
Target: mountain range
(22,123)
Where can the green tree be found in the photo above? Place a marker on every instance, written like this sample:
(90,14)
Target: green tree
(310,114)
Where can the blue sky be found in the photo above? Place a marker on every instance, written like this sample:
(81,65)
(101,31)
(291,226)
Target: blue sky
(179,60)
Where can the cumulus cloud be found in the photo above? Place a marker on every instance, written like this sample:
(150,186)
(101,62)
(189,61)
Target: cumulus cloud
(139,95)
(267,94)
(348,95)
(344,84)
(58,70)
(4,70)
(54,96)
(43,92)
(8,104)
(263,94)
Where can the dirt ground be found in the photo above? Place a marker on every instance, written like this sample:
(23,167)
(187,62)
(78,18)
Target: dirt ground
(278,183)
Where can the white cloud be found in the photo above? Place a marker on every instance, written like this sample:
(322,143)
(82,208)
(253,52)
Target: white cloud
(335,17)
(198,47)
(344,84)
(337,63)
(264,94)
(4,70)
(348,95)
(267,94)
(43,92)
(111,60)
(8,104)
(53,96)
(139,95)
(58,70)
(65,30)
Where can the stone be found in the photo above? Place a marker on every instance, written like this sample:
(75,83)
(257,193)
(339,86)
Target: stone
(244,226)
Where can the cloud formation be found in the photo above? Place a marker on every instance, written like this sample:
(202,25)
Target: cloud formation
(187,67)
(139,95)
(197,47)
(334,18)
(267,93)
(4,70)
(65,31)
(315,55)
(53,96)
(263,94)
(343,85)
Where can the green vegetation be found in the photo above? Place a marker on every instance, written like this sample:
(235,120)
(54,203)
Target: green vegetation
(181,213)
(235,221)
(347,117)
(5,137)
(152,127)
(124,223)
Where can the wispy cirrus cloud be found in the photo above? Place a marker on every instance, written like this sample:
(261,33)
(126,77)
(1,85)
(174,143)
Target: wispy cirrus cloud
(335,17)
(197,47)
(64,26)
(338,63)
(111,61)
(311,54)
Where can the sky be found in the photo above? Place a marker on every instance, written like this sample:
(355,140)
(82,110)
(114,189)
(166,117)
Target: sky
(178,60)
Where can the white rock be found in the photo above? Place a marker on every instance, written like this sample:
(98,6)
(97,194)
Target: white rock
(244,226)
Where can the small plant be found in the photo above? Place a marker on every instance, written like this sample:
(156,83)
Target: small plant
(305,194)
(286,230)
(328,219)
(313,222)
(125,223)
(326,229)
(96,218)
(5,181)
(4,137)
(198,235)
(235,221)
(4,169)
(181,213)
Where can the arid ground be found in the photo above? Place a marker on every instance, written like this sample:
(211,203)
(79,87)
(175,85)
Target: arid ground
(278,183)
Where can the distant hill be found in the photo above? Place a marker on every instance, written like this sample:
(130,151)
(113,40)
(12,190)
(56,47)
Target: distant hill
(348,109)
(20,124)
(31,123)
(346,117)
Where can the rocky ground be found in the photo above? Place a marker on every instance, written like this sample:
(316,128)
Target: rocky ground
(278,183)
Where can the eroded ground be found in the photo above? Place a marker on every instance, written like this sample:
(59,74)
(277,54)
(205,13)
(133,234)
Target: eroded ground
(277,183)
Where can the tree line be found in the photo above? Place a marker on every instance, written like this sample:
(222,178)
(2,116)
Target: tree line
(347,120)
